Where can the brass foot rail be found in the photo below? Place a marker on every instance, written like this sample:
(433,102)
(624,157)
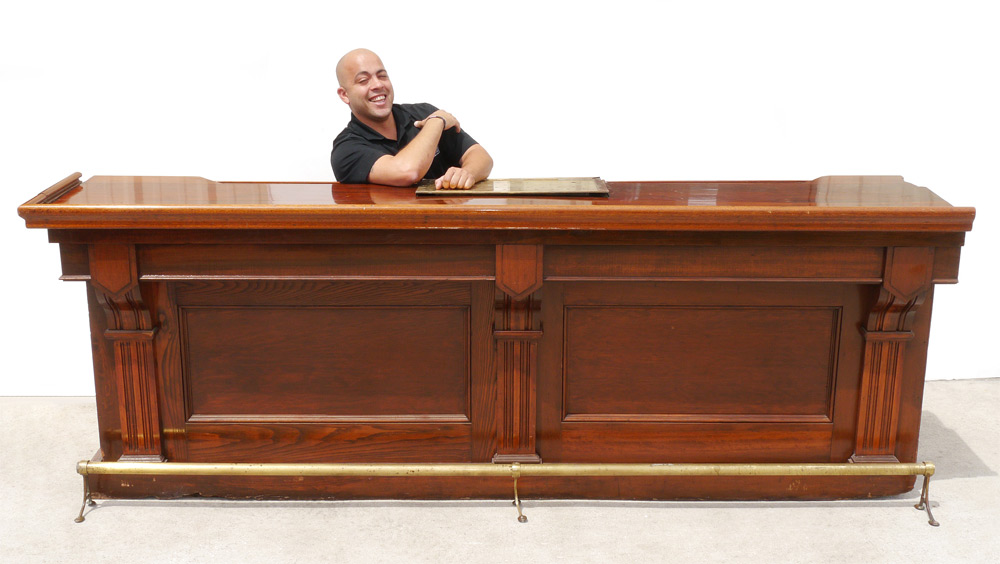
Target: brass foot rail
(515,471)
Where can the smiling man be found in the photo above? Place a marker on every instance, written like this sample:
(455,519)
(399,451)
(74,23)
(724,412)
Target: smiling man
(399,144)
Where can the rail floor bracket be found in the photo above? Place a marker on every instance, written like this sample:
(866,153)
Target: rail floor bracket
(925,502)
(88,499)
(515,471)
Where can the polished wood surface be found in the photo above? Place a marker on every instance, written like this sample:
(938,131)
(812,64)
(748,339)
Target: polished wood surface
(669,322)
(844,203)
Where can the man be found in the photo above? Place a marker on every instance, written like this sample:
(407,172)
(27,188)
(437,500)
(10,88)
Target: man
(399,144)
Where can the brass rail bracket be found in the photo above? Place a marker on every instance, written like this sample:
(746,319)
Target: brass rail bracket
(925,502)
(88,499)
(514,470)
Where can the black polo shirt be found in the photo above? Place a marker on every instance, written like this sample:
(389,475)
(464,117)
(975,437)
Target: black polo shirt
(358,146)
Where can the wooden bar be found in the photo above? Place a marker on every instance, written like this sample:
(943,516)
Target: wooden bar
(670,322)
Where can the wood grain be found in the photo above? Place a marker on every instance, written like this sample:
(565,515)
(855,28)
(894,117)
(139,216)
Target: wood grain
(780,321)
(863,204)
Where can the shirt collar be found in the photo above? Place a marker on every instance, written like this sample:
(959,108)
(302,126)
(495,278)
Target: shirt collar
(370,134)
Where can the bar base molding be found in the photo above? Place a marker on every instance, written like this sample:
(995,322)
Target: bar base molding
(513,471)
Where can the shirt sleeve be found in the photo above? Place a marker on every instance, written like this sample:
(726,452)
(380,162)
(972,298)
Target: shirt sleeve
(352,160)
(453,145)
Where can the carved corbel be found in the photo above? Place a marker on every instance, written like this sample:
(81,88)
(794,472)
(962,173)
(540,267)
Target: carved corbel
(517,332)
(130,328)
(906,281)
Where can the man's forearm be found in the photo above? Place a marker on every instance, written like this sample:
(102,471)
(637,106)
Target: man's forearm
(478,162)
(475,165)
(411,163)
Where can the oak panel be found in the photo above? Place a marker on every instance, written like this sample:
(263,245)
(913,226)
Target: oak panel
(316,261)
(453,424)
(706,363)
(261,441)
(337,361)
(860,264)
(691,442)
(276,292)
(699,371)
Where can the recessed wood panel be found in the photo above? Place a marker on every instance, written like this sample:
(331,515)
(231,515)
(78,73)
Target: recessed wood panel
(298,262)
(856,264)
(699,363)
(693,442)
(382,363)
(270,292)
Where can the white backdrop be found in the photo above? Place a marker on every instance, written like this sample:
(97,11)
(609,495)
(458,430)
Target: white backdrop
(623,90)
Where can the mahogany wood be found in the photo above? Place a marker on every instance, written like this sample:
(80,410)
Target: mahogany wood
(113,274)
(845,203)
(670,322)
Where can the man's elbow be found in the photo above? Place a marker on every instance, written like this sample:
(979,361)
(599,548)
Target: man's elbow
(402,179)
(396,176)
(409,177)
(487,165)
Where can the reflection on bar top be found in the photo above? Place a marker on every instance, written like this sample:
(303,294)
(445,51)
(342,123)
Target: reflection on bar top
(827,191)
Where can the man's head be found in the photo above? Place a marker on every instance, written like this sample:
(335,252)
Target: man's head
(365,86)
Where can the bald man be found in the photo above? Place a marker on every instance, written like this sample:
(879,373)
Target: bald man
(399,144)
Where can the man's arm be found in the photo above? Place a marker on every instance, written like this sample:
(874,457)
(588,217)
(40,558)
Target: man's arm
(474,166)
(411,163)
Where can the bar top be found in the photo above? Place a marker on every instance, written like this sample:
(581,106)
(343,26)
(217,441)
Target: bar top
(829,203)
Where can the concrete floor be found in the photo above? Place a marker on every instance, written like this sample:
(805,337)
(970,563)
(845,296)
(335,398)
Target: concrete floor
(40,494)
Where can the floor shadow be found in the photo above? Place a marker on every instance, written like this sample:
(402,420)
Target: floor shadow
(501,505)
(951,455)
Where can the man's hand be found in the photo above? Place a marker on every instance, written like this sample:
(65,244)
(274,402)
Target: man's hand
(455,179)
(449,120)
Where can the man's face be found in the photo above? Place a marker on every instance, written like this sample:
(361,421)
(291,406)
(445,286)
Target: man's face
(367,89)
